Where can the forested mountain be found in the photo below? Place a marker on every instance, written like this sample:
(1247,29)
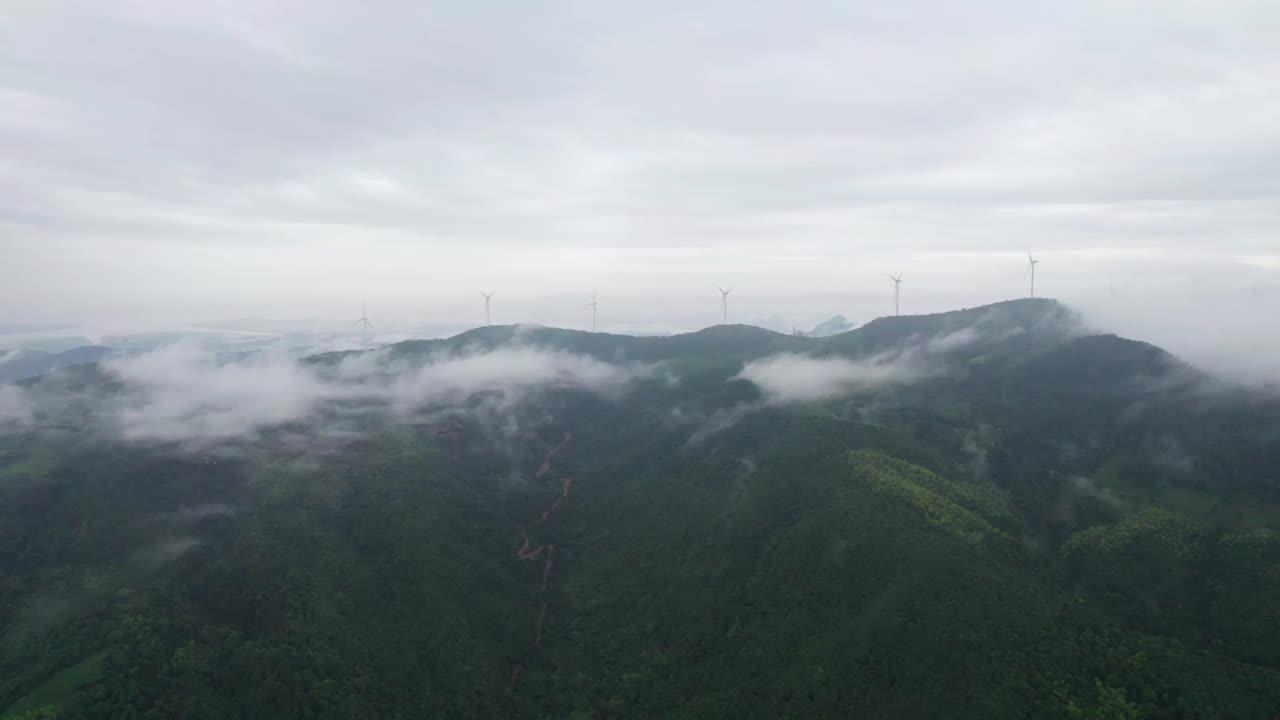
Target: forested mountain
(990,513)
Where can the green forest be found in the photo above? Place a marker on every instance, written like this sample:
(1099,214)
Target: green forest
(1040,522)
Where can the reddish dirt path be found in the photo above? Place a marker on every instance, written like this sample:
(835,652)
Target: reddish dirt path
(450,429)
(541,616)
(546,461)
(546,514)
(527,551)
(546,569)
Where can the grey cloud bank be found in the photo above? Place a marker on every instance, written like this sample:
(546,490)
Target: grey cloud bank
(167,162)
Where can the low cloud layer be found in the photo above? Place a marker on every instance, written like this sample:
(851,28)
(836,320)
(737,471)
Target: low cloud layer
(788,378)
(455,378)
(182,393)
(15,409)
(955,340)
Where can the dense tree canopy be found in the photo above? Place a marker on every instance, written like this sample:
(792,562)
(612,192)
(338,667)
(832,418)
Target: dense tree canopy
(1046,525)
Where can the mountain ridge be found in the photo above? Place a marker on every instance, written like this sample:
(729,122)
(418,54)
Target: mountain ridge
(990,511)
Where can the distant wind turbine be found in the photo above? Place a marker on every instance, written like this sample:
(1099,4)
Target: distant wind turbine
(1031,268)
(724,303)
(487,297)
(595,310)
(897,286)
(364,320)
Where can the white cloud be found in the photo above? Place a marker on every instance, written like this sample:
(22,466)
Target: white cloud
(507,370)
(954,340)
(15,408)
(788,378)
(183,393)
(715,422)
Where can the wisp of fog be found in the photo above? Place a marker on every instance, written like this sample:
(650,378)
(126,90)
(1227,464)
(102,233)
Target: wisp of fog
(184,393)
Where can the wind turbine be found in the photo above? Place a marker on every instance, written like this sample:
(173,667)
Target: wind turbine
(1031,268)
(897,286)
(487,298)
(724,303)
(595,310)
(364,320)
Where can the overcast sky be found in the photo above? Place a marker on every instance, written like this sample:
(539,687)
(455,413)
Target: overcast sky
(168,160)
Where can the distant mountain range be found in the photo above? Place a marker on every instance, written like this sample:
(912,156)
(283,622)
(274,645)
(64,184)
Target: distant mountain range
(833,326)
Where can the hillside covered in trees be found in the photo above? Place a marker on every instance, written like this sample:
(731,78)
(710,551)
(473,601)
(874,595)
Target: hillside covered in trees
(988,513)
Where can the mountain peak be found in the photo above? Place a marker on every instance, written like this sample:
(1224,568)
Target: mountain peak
(834,325)
(1030,320)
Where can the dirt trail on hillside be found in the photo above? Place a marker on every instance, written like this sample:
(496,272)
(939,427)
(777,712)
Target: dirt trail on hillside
(529,551)
(453,431)
(551,454)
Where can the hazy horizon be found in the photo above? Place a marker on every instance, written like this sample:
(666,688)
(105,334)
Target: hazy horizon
(170,164)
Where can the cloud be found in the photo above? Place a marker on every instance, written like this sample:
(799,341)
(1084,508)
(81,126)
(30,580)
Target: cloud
(797,152)
(787,378)
(491,387)
(165,551)
(1083,486)
(1215,331)
(15,408)
(975,445)
(954,340)
(517,369)
(181,392)
(188,515)
(714,422)
(790,378)
(187,394)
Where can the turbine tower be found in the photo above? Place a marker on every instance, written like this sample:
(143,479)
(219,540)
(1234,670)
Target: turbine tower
(364,320)
(897,286)
(724,303)
(487,297)
(595,310)
(1031,268)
